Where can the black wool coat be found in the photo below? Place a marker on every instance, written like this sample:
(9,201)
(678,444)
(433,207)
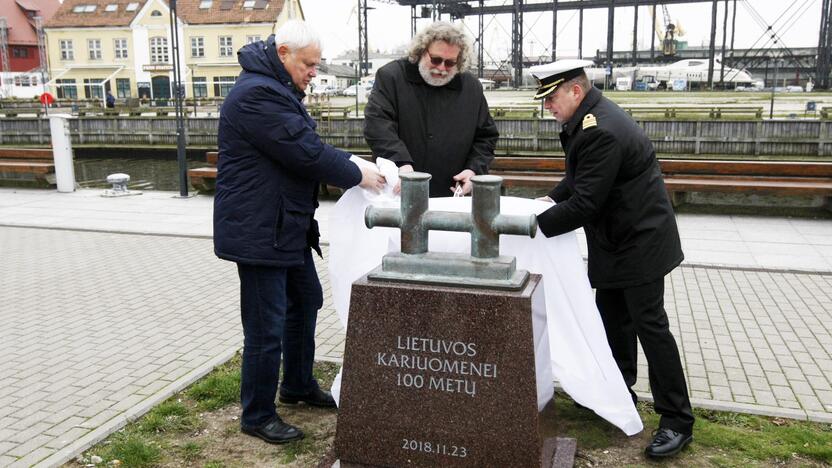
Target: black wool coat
(614,188)
(439,130)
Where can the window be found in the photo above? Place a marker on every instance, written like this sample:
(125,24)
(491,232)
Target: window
(197,47)
(21,80)
(66,49)
(222,85)
(159,49)
(155,13)
(248,4)
(92,88)
(66,89)
(111,7)
(205,4)
(83,8)
(200,87)
(250,39)
(20,52)
(226,47)
(123,87)
(94,48)
(132,6)
(120,47)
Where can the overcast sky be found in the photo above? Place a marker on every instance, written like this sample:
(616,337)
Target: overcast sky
(797,22)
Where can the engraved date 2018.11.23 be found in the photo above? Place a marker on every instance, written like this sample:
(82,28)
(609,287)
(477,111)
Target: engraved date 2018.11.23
(434,448)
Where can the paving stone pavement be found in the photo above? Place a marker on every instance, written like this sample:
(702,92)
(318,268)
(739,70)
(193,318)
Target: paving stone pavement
(96,328)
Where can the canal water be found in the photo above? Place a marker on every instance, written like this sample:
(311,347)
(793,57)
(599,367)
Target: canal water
(148,168)
(145,174)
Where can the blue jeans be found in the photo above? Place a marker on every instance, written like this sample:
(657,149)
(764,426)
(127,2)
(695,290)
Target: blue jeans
(279,307)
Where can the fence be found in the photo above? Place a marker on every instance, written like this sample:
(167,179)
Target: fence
(760,139)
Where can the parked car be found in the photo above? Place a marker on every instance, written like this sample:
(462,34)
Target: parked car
(353,89)
(328,90)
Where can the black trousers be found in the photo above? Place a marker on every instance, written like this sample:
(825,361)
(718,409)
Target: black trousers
(638,312)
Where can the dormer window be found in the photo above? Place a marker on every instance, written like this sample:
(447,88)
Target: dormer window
(83,9)
(111,7)
(132,6)
(248,4)
(205,4)
(155,13)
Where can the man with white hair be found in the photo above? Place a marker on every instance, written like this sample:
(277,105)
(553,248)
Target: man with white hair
(271,163)
(427,113)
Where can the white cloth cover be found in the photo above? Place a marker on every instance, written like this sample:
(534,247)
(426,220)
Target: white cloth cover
(581,360)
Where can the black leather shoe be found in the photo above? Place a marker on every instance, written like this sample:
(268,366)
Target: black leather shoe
(317,397)
(667,442)
(274,432)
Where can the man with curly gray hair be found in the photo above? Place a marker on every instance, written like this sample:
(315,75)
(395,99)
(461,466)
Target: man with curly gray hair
(427,113)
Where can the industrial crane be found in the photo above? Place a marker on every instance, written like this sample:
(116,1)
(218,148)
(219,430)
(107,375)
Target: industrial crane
(669,40)
(667,32)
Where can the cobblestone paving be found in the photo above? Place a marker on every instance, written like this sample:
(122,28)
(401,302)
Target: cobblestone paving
(754,341)
(96,328)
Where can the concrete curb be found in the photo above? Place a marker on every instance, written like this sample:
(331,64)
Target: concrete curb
(134,413)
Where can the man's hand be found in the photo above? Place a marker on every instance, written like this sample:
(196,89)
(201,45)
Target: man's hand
(464,178)
(402,170)
(546,199)
(371,179)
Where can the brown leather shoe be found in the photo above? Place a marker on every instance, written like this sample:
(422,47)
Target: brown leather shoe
(275,431)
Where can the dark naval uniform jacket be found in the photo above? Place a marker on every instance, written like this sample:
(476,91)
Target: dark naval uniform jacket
(614,188)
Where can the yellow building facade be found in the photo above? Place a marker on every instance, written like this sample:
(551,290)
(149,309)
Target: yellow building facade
(125,47)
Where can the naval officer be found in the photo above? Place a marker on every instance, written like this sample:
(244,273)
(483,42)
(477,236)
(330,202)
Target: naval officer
(613,188)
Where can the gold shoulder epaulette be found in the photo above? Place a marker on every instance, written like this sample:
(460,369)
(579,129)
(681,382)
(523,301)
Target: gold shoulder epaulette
(589,122)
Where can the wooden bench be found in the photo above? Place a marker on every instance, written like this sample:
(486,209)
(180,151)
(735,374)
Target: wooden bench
(787,178)
(681,176)
(204,179)
(17,111)
(328,111)
(27,167)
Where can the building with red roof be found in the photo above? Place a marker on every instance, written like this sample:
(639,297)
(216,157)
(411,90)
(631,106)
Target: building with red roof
(21,75)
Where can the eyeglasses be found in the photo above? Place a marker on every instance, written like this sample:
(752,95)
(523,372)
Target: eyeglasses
(449,63)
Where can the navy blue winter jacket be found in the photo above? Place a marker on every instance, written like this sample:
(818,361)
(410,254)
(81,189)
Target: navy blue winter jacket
(270,165)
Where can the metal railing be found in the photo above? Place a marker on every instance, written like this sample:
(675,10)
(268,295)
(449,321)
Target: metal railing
(811,139)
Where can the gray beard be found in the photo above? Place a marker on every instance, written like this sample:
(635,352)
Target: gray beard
(435,80)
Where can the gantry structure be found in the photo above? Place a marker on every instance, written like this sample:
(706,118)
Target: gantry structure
(458,9)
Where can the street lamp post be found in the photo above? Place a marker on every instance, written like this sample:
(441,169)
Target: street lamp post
(178,95)
(773,87)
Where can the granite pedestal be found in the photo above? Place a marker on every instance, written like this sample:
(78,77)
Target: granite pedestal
(440,376)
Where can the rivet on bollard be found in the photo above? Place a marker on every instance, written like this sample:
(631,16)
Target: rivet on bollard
(119,181)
